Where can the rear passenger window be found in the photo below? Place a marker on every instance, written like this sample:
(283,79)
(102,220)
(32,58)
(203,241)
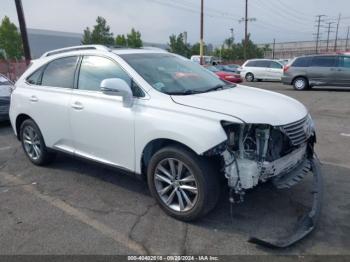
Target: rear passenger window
(324,61)
(302,62)
(60,72)
(95,69)
(262,63)
(250,64)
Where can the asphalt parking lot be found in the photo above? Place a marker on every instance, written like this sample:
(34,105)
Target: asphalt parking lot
(78,207)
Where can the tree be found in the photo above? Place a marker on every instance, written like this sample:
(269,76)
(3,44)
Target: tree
(99,35)
(10,39)
(232,51)
(134,39)
(120,40)
(178,46)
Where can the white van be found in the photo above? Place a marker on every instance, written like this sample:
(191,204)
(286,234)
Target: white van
(262,69)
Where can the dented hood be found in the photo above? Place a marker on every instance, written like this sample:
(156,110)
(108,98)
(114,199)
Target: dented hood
(252,105)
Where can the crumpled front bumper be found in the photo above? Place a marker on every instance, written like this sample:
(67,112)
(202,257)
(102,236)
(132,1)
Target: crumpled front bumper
(308,222)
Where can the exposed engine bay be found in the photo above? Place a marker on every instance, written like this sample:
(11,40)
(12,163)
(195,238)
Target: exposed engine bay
(256,153)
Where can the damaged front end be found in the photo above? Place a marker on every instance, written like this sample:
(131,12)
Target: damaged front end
(256,153)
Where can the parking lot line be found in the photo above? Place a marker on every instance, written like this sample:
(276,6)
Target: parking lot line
(5,148)
(334,164)
(118,237)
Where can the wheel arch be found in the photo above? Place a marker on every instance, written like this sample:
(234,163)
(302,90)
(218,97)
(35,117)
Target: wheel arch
(154,146)
(299,76)
(19,120)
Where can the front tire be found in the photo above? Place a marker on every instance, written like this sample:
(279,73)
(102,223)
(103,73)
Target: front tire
(301,83)
(185,185)
(34,145)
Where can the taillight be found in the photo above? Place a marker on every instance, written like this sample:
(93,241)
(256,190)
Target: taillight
(285,68)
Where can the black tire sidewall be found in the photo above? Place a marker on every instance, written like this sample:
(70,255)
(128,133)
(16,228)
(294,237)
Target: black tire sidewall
(247,77)
(193,163)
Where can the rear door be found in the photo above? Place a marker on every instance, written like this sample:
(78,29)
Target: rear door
(343,71)
(47,96)
(275,70)
(261,69)
(322,70)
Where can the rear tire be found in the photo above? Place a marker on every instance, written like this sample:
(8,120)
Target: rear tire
(300,83)
(187,194)
(249,77)
(33,144)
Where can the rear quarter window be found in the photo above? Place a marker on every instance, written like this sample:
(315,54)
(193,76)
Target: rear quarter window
(251,64)
(302,62)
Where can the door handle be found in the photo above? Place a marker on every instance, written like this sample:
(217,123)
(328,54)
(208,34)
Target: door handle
(33,99)
(78,106)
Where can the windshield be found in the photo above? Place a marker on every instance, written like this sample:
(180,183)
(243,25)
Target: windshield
(172,74)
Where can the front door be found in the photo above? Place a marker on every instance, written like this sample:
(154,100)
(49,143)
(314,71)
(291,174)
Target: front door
(103,129)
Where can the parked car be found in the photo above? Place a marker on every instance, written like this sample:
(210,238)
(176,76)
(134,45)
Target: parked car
(227,76)
(318,70)
(226,68)
(207,60)
(5,93)
(162,117)
(262,69)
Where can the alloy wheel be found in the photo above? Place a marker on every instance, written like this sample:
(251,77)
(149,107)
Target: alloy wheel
(300,84)
(176,185)
(31,142)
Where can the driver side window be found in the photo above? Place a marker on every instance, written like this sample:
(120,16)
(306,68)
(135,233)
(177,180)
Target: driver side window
(95,69)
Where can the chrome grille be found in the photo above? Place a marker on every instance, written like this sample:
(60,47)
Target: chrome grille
(298,132)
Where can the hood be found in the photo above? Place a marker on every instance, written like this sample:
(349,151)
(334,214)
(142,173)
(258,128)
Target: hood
(252,105)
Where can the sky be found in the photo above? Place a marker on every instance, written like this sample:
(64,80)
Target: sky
(285,20)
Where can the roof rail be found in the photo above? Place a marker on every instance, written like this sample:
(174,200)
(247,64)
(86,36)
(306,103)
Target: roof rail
(76,48)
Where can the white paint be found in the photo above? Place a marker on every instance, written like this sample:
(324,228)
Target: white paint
(344,134)
(5,148)
(104,130)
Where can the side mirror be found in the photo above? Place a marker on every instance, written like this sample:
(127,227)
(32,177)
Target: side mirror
(118,87)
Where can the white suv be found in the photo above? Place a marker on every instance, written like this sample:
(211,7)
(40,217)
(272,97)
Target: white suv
(262,69)
(164,118)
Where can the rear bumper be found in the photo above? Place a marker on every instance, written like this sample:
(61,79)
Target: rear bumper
(286,80)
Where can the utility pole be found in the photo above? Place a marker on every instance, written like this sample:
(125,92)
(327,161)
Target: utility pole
(232,35)
(246,29)
(273,48)
(328,33)
(336,34)
(185,37)
(318,21)
(246,19)
(347,39)
(23,29)
(201,49)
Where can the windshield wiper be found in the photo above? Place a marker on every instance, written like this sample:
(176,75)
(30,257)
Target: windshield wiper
(186,92)
(218,87)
